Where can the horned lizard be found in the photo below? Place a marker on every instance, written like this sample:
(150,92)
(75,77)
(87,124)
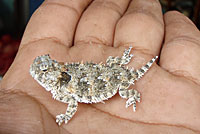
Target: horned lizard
(88,82)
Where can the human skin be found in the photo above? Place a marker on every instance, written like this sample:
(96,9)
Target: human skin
(71,31)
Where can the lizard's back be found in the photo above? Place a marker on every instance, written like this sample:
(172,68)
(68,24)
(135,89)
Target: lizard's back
(92,83)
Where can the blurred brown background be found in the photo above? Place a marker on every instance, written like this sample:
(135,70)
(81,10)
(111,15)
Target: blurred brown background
(14,15)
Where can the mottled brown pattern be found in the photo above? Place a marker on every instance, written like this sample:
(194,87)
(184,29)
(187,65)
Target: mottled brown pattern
(88,82)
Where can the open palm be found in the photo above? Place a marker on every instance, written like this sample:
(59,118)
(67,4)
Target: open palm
(71,31)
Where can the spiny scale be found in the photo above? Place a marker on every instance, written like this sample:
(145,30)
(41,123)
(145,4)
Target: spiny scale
(88,82)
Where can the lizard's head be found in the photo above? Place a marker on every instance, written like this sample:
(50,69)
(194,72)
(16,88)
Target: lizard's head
(46,71)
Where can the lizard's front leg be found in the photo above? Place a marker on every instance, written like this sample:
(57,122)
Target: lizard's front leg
(71,109)
(132,95)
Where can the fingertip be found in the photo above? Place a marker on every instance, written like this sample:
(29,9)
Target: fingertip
(176,17)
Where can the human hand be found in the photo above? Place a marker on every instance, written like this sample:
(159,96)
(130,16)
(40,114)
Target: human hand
(72,31)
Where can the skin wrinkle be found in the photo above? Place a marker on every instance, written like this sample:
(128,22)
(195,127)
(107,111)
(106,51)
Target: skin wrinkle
(111,6)
(178,21)
(136,48)
(115,8)
(144,51)
(53,39)
(139,49)
(18,91)
(92,40)
(87,126)
(62,5)
(36,100)
(66,131)
(144,17)
(42,119)
(139,10)
(143,12)
(96,40)
(162,42)
(146,123)
(118,22)
(21,92)
(78,23)
(188,77)
(176,40)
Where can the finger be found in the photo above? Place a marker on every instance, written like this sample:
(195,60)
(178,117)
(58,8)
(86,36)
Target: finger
(141,27)
(55,20)
(98,22)
(181,51)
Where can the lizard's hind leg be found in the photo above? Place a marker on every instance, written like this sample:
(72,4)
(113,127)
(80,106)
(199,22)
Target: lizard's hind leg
(132,95)
(125,59)
(126,55)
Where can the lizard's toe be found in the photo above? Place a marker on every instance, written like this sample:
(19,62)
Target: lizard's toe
(131,101)
(60,118)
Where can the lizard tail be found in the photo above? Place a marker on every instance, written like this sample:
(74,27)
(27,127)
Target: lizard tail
(145,68)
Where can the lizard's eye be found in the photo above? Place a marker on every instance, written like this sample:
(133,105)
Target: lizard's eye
(44,67)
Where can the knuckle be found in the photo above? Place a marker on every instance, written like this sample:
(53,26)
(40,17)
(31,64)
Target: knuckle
(172,13)
(175,17)
(108,5)
(63,4)
(152,4)
(149,10)
(183,41)
(142,18)
(143,14)
(92,40)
